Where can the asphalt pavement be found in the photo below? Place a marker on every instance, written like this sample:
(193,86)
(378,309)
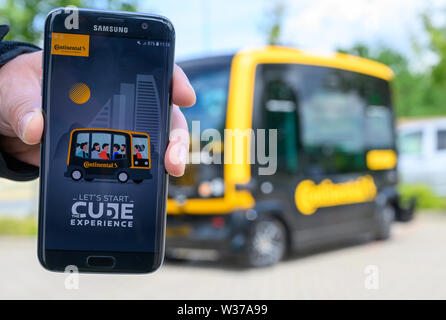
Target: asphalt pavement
(412,265)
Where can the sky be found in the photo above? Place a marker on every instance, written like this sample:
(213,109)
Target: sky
(220,26)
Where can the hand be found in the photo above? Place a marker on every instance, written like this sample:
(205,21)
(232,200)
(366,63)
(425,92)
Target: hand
(21,119)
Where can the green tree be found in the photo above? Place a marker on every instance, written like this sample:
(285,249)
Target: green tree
(415,93)
(274,19)
(437,44)
(26,17)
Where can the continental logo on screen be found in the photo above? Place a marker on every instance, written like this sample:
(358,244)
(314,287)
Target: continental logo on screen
(70,44)
(310,196)
(99,165)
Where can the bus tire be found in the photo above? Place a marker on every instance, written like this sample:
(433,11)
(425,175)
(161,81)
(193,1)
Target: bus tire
(267,243)
(88,179)
(137,181)
(123,176)
(386,216)
(76,175)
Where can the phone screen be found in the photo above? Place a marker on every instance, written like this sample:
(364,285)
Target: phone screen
(107,105)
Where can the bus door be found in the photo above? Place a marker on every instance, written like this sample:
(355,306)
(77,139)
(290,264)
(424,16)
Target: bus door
(319,147)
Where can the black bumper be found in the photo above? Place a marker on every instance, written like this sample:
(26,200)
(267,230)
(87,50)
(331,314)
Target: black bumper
(199,232)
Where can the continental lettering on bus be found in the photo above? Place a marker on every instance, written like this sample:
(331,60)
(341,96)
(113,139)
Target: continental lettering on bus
(109,154)
(310,196)
(99,165)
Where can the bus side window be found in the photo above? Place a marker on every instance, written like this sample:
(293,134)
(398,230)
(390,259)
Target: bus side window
(119,147)
(378,127)
(101,146)
(82,147)
(280,112)
(332,111)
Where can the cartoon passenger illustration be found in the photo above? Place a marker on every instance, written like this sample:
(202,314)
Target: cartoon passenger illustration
(95,151)
(83,150)
(104,153)
(137,151)
(123,149)
(116,154)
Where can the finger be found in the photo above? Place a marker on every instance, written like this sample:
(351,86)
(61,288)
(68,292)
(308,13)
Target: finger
(183,94)
(25,112)
(178,148)
(20,151)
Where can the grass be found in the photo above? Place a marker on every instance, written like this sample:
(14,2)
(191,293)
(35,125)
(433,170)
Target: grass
(426,197)
(18,226)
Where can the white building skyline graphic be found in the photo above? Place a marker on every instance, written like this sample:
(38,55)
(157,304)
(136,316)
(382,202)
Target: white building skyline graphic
(135,108)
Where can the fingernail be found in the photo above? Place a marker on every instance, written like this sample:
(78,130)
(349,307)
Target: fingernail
(24,122)
(187,80)
(182,154)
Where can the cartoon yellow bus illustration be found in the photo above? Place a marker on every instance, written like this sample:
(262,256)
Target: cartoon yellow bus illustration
(108,154)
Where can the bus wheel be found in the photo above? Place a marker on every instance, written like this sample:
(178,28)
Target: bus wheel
(76,175)
(137,181)
(267,243)
(386,216)
(123,176)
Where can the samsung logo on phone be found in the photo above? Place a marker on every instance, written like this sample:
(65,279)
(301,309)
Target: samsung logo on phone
(110,29)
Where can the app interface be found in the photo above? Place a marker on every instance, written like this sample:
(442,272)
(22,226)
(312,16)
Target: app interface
(107,104)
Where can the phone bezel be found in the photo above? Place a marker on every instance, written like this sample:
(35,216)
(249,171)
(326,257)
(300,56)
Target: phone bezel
(160,28)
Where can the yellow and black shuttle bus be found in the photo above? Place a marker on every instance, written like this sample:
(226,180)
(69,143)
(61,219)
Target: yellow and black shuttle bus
(336,156)
(108,154)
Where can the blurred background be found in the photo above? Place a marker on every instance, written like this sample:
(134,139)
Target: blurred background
(409,36)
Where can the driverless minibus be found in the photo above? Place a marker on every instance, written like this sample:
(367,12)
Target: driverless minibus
(335,175)
(108,154)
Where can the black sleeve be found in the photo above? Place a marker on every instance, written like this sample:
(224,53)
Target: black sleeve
(11,168)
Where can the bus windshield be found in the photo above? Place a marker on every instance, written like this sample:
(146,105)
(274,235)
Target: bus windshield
(140,147)
(211,89)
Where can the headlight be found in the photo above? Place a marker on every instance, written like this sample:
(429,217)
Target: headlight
(204,189)
(217,187)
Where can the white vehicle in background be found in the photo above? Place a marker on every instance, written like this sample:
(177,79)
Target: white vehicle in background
(422,153)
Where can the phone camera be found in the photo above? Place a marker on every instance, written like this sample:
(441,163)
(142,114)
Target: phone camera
(144,25)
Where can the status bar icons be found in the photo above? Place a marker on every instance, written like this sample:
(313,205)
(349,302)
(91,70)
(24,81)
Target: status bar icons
(152,43)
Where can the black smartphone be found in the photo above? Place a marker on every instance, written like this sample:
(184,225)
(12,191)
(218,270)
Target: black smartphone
(106,90)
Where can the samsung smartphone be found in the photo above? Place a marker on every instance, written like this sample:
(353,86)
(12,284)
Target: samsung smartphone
(107,81)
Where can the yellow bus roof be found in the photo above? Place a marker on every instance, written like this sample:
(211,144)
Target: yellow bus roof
(113,130)
(279,54)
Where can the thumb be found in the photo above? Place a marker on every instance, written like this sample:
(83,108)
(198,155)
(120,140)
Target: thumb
(26,118)
(30,126)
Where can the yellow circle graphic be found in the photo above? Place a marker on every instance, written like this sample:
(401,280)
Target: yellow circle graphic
(80,93)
